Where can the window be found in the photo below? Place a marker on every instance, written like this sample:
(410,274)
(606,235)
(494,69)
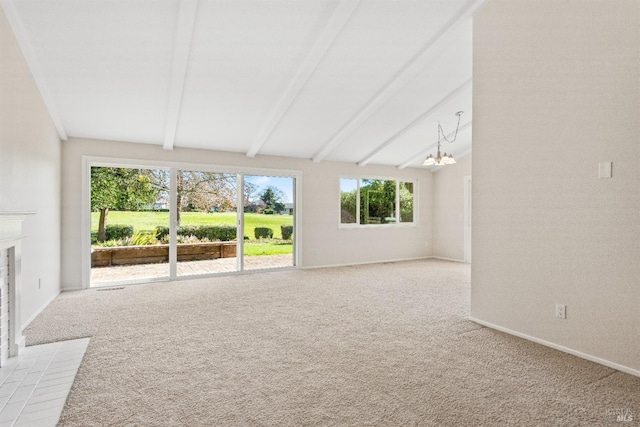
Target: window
(369,201)
(406,202)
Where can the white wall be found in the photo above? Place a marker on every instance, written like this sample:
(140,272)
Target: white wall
(556,90)
(323,242)
(29,173)
(448,209)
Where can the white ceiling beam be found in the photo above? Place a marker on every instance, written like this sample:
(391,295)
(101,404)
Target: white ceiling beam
(17,26)
(422,117)
(181,50)
(423,153)
(329,33)
(409,71)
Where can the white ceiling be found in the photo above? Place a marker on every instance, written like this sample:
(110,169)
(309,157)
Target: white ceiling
(345,80)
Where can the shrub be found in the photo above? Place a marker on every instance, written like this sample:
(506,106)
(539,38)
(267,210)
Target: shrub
(210,232)
(268,211)
(140,238)
(263,233)
(161,232)
(287,231)
(118,231)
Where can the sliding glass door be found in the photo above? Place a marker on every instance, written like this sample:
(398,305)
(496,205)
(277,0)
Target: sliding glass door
(151,224)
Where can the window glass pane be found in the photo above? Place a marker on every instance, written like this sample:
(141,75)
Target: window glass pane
(348,191)
(129,211)
(406,202)
(207,222)
(377,201)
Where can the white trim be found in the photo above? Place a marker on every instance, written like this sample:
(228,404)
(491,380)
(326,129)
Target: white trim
(173,224)
(352,264)
(240,223)
(408,71)
(448,259)
(182,47)
(562,348)
(17,26)
(325,39)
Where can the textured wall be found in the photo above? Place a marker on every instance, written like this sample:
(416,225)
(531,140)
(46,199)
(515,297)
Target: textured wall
(448,209)
(29,173)
(323,243)
(555,92)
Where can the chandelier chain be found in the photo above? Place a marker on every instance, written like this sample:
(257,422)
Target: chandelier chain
(441,131)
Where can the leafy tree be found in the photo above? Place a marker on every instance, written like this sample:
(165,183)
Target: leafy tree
(348,206)
(377,200)
(121,189)
(273,198)
(406,202)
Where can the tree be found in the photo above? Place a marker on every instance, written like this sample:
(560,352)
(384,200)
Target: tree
(273,198)
(119,188)
(199,190)
(377,201)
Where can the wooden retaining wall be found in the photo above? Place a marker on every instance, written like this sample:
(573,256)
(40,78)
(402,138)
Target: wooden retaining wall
(151,254)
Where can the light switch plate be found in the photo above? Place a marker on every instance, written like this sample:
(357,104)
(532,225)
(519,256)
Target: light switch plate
(604,170)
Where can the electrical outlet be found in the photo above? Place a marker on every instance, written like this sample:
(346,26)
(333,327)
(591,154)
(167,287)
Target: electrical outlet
(561,311)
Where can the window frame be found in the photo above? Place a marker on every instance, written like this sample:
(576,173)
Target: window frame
(397,223)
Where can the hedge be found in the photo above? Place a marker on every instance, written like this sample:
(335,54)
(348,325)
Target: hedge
(287,231)
(223,233)
(263,233)
(118,231)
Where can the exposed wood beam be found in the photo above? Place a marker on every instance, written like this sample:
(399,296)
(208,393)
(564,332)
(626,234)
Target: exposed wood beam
(410,70)
(423,153)
(182,47)
(424,116)
(331,30)
(17,26)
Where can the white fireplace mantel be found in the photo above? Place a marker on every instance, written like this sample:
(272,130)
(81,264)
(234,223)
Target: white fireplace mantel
(11,338)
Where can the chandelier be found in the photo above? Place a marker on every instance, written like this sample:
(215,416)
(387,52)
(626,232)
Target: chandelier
(443,159)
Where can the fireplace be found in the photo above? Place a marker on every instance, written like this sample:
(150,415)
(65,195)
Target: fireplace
(11,338)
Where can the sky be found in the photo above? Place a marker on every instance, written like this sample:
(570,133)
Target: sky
(285,184)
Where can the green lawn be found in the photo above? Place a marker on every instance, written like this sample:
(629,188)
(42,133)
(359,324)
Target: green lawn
(257,248)
(147,221)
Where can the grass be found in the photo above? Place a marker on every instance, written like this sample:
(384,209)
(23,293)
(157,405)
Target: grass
(147,221)
(267,247)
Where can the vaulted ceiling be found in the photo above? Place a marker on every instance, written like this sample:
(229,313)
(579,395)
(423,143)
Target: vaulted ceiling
(362,81)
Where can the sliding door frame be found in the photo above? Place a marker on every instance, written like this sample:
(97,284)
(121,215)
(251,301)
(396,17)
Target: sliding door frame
(173,167)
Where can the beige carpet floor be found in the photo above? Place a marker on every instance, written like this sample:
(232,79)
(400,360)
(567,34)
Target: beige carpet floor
(374,345)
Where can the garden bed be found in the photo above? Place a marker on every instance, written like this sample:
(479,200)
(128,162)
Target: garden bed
(151,254)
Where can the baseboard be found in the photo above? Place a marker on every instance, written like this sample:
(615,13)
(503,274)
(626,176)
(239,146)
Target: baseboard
(449,259)
(40,310)
(564,349)
(352,264)
(72,289)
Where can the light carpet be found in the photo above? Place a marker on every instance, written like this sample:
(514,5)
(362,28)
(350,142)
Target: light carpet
(373,345)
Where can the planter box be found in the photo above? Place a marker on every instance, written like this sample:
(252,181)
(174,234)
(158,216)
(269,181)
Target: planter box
(151,254)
